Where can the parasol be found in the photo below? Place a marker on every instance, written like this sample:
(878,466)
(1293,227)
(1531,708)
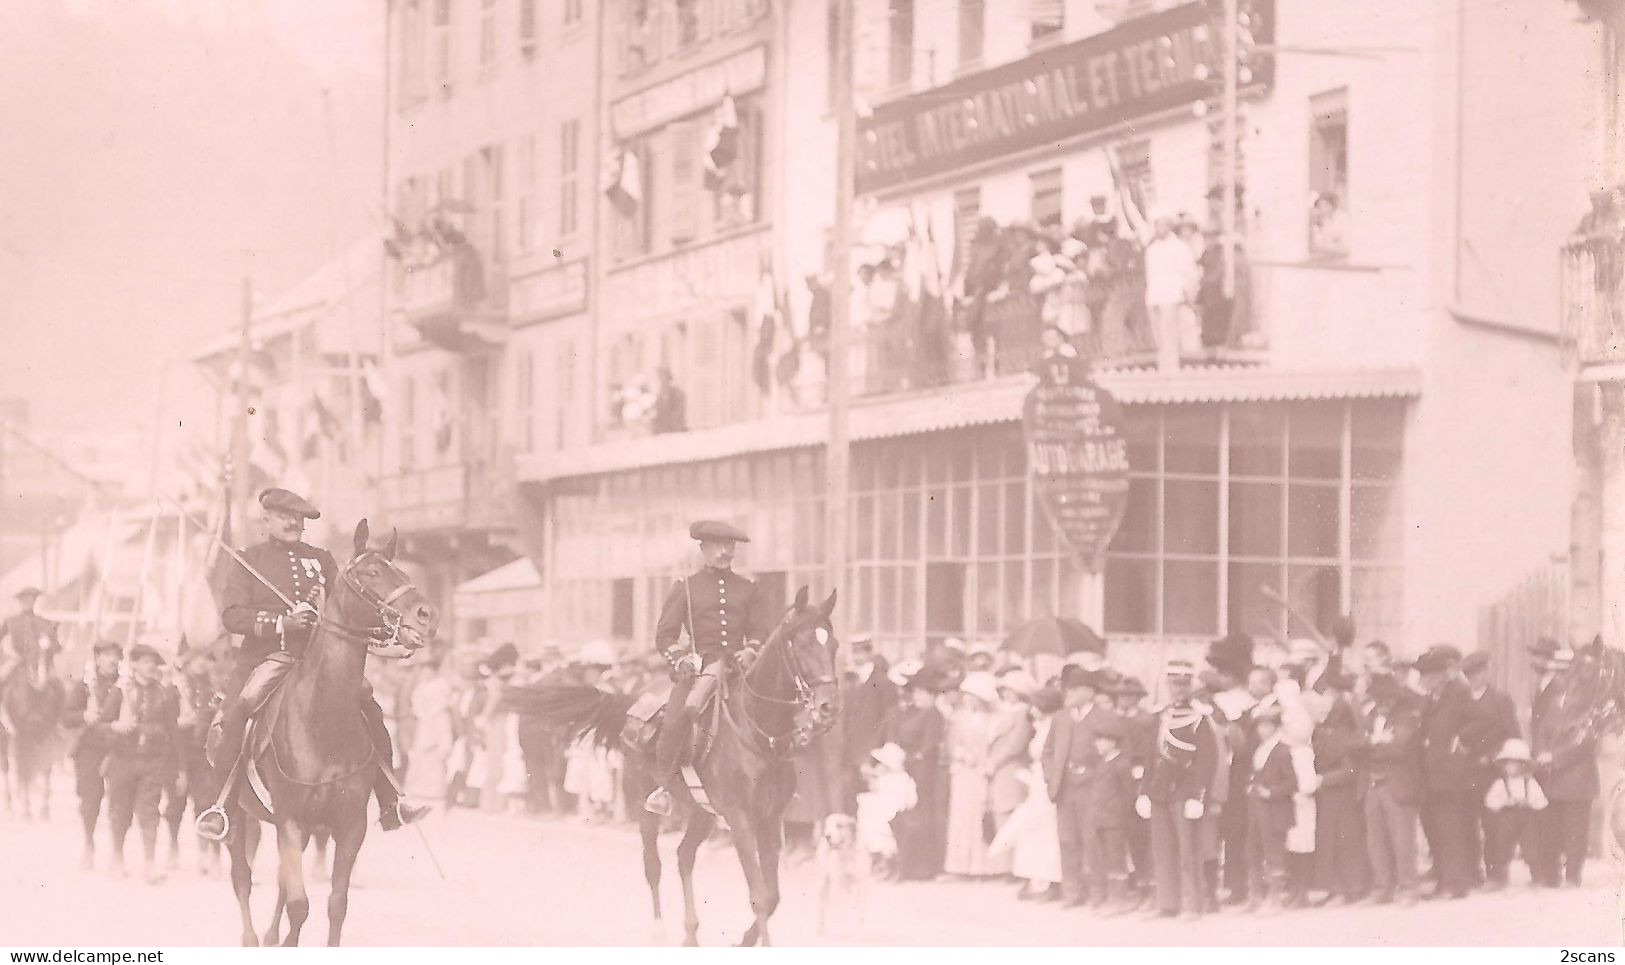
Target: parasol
(1059,636)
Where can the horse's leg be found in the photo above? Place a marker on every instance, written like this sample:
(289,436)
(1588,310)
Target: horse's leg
(273,931)
(700,825)
(172,816)
(769,841)
(748,847)
(240,846)
(290,837)
(649,829)
(346,846)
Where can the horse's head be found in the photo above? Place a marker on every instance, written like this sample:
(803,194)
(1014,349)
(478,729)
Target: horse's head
(806,638)
(402,620)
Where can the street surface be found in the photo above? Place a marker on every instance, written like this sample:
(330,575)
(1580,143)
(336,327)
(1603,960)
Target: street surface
(516,881)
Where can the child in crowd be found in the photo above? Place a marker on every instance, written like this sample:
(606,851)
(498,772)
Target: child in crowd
(1108,808)
(1512,801)
(1270,811)
(891,792)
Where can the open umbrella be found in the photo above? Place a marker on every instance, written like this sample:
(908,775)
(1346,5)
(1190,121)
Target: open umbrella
(1055,636)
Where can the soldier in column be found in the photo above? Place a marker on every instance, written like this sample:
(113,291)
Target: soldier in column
(94,705)
(142,761)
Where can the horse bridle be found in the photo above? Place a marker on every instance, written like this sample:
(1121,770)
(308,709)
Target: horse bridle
(378,639)
(805,690)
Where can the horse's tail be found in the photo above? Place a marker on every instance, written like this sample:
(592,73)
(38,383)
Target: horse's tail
(577,710)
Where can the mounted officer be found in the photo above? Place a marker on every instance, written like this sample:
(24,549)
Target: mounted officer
(722,612)
(273,638)
(27,639)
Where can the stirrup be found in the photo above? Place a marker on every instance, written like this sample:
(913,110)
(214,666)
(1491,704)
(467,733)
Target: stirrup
(658,802)
(225,824)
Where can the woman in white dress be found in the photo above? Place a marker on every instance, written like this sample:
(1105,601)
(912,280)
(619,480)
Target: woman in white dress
(1031,836)
(431,733)
(971,733)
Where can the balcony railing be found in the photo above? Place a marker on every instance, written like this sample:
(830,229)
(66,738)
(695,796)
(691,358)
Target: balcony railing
(1593,295)
(452,302)
(450,497)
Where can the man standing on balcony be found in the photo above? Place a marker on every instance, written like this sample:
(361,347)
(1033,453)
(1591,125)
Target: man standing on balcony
(670,408)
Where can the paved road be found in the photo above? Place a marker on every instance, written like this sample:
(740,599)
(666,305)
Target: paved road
(515,881)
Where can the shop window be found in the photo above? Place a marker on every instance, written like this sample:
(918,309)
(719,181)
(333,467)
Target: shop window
(972,31)
(1328,173)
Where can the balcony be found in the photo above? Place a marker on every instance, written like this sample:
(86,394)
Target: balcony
(461,496)
(1593,295)
(449,301)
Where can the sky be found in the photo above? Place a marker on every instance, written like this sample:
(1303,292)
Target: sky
(154,152)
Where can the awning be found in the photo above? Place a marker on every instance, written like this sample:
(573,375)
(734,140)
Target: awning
(961,406)
(511,590)
(519,575)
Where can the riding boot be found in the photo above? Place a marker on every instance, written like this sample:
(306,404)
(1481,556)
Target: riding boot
(674,737)
(212,824)
(393,811)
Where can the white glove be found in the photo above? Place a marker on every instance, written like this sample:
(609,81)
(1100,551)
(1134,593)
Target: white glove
(1142,806)
(1193,810)
(691,662)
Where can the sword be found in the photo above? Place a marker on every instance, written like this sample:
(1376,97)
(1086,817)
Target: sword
(256,574)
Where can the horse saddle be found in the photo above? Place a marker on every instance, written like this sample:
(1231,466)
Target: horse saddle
(647,714)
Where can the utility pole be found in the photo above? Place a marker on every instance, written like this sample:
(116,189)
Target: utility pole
(1227,214)
(837,457)
(240,482)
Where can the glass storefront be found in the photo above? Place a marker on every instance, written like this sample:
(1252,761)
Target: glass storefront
(1225,498)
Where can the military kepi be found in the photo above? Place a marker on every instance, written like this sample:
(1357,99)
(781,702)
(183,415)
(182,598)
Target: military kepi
(285,501)
(709,529)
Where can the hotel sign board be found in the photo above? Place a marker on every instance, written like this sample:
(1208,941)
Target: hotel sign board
(1077,456)
(1139,68)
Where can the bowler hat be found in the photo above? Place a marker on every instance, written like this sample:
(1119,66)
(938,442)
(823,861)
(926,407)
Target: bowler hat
(286,501)
(712,529)
(28,592)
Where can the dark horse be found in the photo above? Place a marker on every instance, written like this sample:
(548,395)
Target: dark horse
(789,694)
(318,763)
(30,710)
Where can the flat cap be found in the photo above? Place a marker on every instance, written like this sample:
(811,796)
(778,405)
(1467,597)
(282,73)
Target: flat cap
(718,530)
(287,501)
(1438,659)
(1475,661)
(141,651)
(28,592)
(106,646)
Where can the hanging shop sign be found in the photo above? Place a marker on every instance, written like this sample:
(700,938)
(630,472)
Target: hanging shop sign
(1145,66)
(1077,456)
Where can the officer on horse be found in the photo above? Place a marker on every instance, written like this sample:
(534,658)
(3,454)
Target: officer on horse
(722,612)
(273,638)
(33,643)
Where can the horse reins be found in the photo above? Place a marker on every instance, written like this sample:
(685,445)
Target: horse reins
(384,606)
(803,698)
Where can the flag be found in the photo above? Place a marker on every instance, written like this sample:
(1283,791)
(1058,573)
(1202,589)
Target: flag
(372,386)
(721,143)
(320,425)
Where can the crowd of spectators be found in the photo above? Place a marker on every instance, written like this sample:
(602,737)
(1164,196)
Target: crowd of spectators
(1285,775)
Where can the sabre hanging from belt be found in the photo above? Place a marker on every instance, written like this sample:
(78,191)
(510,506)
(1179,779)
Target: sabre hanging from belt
(256,574)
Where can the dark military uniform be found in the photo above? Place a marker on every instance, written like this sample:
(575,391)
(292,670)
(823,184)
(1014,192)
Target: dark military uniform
(304,574)
(141,762)
(103,694)
(1449,778)
(1569,777)
(1183,768)
(27,640)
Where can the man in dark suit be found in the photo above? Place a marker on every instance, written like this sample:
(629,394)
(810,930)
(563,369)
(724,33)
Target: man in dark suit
(1566,767)
(1069,757)
(1392,779)
(1448,799)
(28,641)
(867,704)
(1492,723)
